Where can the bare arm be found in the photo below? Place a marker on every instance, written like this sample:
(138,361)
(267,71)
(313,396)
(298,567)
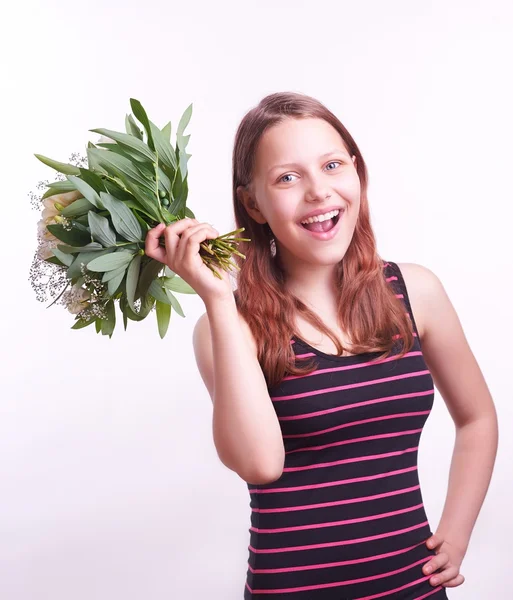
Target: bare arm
(246,430)
(460,381)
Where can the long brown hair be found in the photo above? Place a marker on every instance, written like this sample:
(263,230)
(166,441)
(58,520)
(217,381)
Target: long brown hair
(367,305)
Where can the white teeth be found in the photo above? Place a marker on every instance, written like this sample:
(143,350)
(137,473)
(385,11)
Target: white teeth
(321,218)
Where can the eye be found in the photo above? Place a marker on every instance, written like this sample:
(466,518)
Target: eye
(287,175)
(333,162)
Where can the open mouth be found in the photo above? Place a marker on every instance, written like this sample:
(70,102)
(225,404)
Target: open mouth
(324,226)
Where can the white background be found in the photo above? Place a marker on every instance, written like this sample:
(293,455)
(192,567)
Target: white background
(110,482)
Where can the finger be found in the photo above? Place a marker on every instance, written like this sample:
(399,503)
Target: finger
(151,245)
(435,563)
(190,241)
(446,575)
(173,232)
(434,541)
(458,580)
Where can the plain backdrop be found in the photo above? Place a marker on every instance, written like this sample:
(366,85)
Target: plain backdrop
(110,483)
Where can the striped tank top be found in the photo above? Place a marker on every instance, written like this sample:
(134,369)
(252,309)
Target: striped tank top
(346,521)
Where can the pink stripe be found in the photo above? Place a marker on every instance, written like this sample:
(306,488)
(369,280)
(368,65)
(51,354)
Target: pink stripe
(403,587)
(392,278)
(344,461)
(346,367)
(339,563)
(351,581)
(369,538)
(316,486)
(337,523)
(347,406)
(352,423)
(429,593)
(352,386)
(337,502)
(380,436)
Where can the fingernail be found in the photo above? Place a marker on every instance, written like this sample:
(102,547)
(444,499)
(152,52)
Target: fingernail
(428,569)
(435,580)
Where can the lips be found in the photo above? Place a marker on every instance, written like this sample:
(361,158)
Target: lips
(320,211)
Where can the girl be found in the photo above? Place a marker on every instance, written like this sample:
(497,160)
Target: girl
(325,429)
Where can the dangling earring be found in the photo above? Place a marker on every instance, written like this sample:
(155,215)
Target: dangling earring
(272,241)
(273,247)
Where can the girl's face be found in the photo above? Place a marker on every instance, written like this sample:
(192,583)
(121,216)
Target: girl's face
(302,165)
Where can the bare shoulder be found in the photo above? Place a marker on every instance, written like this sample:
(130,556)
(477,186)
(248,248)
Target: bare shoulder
(445,346)
(203,351)
(422,285)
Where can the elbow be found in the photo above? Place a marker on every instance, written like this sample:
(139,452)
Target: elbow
(261,476)
(263,473)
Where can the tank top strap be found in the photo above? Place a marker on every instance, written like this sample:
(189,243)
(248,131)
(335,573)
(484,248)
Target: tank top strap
(395,277)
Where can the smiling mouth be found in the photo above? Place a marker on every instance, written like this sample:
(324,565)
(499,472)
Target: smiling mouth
(334,221)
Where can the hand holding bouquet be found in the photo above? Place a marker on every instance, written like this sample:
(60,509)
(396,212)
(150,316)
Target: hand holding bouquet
(95,224)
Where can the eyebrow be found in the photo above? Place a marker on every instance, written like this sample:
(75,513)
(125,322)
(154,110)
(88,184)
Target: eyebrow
(335,151)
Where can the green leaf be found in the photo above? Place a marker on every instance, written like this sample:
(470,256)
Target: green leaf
(164,181)
(108,324)
(81,323)
(142,117)
(78,207)
(86,190)
(66,259)
(126,152)
(184,121)
(129,141)
(177,284)
(101,230)
(174,303)
(146,201)
(54,261)
(169,274)
(184,158)
(132,278)
(145,308)
(180,191)
(163,316)
(148,274)
(92,179)
(93,160)
(118,165)
(163,147)
(114,283)
(110,262)
(108,275)
(123,218)
(84,257)
(73,237)
(157,292)
(58,187)
(93,246)
(132,128)
(166,131)
(58,166)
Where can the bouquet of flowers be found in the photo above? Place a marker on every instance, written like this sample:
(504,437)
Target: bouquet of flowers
(95,219)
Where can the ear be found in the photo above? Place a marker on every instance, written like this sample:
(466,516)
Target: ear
(354,160)
(249,202)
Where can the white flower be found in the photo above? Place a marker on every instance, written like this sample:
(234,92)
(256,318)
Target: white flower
(50,212)
(76,299)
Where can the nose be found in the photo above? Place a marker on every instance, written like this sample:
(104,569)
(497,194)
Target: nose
(317,189)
